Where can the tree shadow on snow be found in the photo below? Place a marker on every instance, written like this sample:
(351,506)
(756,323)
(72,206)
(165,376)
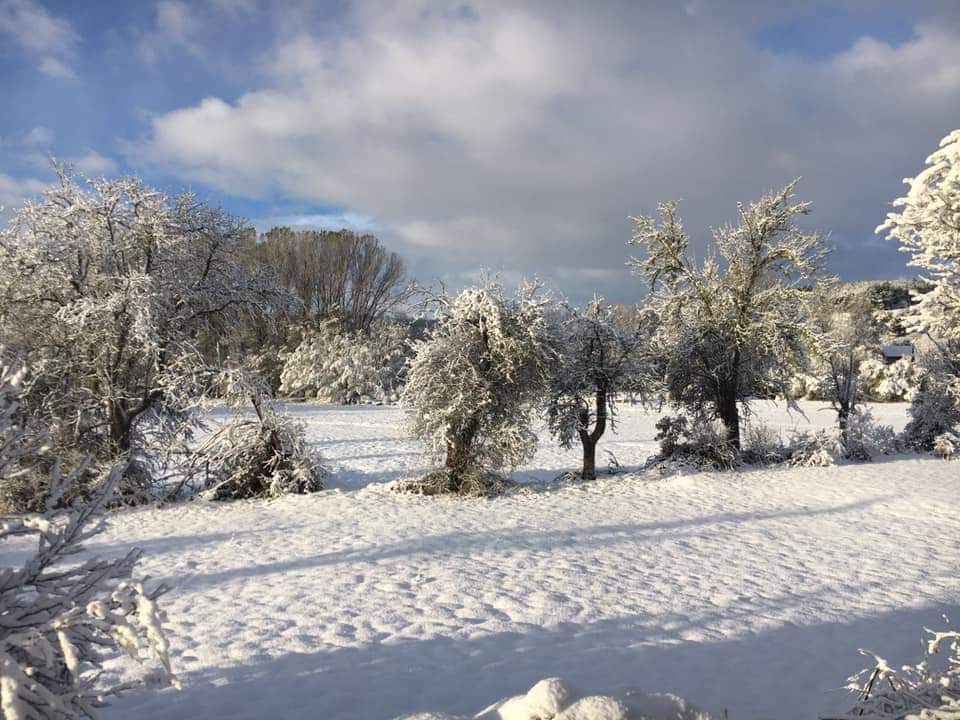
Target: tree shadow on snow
(468,544)
(789,671)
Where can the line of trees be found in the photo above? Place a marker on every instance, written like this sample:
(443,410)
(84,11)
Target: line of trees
(711,337)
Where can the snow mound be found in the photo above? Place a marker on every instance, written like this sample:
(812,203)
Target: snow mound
(545,699)
(552,699)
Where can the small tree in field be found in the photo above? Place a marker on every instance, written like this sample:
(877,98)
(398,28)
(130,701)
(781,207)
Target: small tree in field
(927,225)
(731,328)
(597,361)
(847,338)
(473,384)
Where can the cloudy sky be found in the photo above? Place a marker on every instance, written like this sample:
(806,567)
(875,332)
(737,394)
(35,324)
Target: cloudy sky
(516,137)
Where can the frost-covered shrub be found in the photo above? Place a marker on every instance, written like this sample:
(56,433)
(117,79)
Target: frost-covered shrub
(60,618)
(762,445)
(900,381)
(919,691)
(700,442)
(264,456)
(946,445)
(866,438)
(261,457)
(474,383)
(814,449)
(935,409)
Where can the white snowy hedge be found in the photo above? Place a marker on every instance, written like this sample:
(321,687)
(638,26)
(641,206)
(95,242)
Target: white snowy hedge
(60,618)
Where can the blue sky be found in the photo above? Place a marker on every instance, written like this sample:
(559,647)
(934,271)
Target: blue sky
(517,137)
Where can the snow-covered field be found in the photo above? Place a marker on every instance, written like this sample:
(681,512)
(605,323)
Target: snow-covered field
(747,591)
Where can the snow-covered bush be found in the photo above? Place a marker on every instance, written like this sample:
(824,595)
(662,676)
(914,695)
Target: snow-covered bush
(105,288)
(553,699)
(866,438)
(920,692)
(733,328)
(899,381)
(336,365)
(59,618)
(701,442)
(474,383)
(933,414)
(596,361)
(264,456)
(946,445)
(762,445)
(935,409)
(814,449)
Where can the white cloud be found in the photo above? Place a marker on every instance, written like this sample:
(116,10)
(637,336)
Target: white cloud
(175,28)
(13,193)
(39,135)
(525,137)
(50,39)
(93,164)
(56,68)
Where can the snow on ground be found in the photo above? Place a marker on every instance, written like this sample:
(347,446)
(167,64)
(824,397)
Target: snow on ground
(747,591)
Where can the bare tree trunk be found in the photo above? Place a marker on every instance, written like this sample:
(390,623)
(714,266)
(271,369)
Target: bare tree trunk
(460,453)
(120,423)
(589,438)
(727,406)
(729,414)
(843,420)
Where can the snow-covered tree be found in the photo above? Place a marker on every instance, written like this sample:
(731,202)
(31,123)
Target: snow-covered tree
(926,222)
(731,328)
(597,362)
(474,383)
(105,287)
(847,337)
(335,364)
(60,618)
